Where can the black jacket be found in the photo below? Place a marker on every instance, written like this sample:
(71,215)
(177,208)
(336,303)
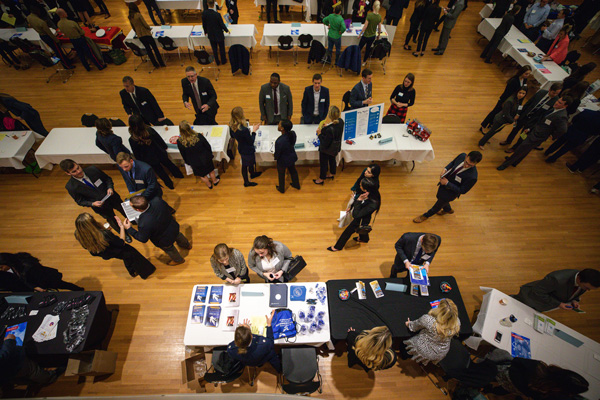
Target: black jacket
(147,106)
(260,351)
(85,195)
(153,153)
(239,57)
(500,8)
(156,224)
(331,138)
(308,105)
(143,178)
(213,25)
(430,17)
(111,145)
(512,86)
(32,273)
(454,188)
(418,13)
(245,140)
(407,245)
(285,153)
(207,94)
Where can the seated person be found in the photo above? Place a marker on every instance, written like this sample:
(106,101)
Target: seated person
(371,349)
(32,274)
(269,259)
(415,248)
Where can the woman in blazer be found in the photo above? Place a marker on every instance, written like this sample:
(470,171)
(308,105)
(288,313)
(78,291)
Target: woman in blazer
(415,21)
(371,349)
(101,242)
(269,259)
(245,140)
(577,92)
(229,264)
(197,153)
(362,209)
(403,97)
(430,16)
(330,144)
(32,274)
(518,81)
(560,47)
(505,116)
(286,156)
(107,141)
(149,147)
(144,33)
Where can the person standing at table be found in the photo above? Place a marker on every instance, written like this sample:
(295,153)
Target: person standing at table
(415,248)
(559,289)
(415,20)
(583,126)
(138,176)
(560,47)
(245,140)
(285,155)
(140,101)
(500,8)
(501,31)
(77,38)
(275,101)
(213,25)
(436,330)
(232,10)
(197,153)
(505,116)
(144,34)
(371,349)
(156,224)
(371,30)
(362,93)
(32,274)
(269,259)
(152,6)
(89,186)
(430,16)
(456,179)
(272,6)
(315,102)
(24,112)
(41,27)
(516,82)
(229,264)
(107,141)
(101,242)
(330,144)
(534,17)
(549,33)
(451,15)
(394,11)
(203,95)
(403,97)
(360,8)
(148,146)
(337,27)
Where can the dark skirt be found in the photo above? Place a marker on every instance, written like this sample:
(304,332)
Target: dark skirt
(203,169)
(248,159)
(135,262)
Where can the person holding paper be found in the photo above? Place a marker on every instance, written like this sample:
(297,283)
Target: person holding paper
(229,264)
(275,101)
(138,176)
(197,153)
(90,187)
(415,248)
(203,97)
(269,259)
(451,15)
(362,93)
(315,102)
(213,26)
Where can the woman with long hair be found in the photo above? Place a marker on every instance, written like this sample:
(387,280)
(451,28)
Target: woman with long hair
(107,141)
(363,207)
(371,349)
(286,156)
(229,264)
(430,16)
(101,242)
(144,33)
(415,21)
(578,75)
(436,329)
(505,116)
(560,47)
(370,31)
(197,153)
(245,140)
(269,259)
(330,144)
(148,146)
(403,97)
(577,92)
(31,274)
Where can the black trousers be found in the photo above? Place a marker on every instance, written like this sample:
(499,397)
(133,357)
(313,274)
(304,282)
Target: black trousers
(204,118)
(589,157)
(152,5)
(397,267)
(520,124)
(102,7)
(107,210)
(218,49)
(422,40)
(491,47)
(135,262)
(440,204)
(393,20)
(326,161)
(84,52)
(521,151)
(293,174)
(487,122)
(368,41)
(165,161)
(152,50)
(351,229)
(271,5)
(564,144)
(413,32)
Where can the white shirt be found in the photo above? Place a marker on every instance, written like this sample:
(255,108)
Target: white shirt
(317,97)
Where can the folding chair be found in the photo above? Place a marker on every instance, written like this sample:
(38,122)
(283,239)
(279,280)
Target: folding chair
(141,53)
(300,366)
(47,62)
(218,376)
(169,45)
(285,42)
(304,42)
(205,60)
(380,52)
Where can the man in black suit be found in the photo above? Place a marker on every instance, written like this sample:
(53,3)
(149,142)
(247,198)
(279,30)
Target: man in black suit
(213,26)
(156,223)
(457,178)
(315,102)
(415,248)
(362,93)
(559,289)
(138,175)
(203,95)
(139,100)
(89,186)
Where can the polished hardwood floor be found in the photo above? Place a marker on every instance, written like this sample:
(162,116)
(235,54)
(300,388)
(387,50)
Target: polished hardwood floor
(513,227)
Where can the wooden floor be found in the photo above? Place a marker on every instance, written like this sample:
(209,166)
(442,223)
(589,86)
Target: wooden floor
(513,227)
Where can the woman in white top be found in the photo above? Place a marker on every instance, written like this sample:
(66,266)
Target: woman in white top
(269,259)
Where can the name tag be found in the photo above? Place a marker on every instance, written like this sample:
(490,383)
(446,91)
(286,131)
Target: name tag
(519,108)
(144,103)
(98,183)
(139,182)
(268,96)
(556,47)
(232,2)
(548,122)
(400,94)
(533,11)
(546,107)
(274,261)
(322,100)
(204,94)
(458,179)
(230,270)
(425,256)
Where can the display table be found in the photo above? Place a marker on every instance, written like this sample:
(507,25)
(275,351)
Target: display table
(394,307)
(53,352)
(254,302)
(30,34)
(549,348)
(272,32)
(306,134)
(79,144)
(14,146)
(244,34)
(486,11)
(179,4)
(305,5)
(112,39)
(179,33)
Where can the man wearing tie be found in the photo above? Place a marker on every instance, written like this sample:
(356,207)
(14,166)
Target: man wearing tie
(315,102)
(457,178)
(139,100)
(138,175)
(203,95)
(362,93)
(275,101)
(90,187)
(415,248)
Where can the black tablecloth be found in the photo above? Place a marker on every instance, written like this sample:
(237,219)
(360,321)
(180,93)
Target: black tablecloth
(394,307)
(97,324)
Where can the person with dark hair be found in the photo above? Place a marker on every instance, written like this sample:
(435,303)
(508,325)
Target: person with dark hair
(587,159)
(552,123)
(415,20)
(24,112)
(559,289)
(516,82)
(450,18)
(501,31)
(559,47)
(330,144)
(269,259)
(550,32)
(229,264)
(395,11)
(430,16)
(315,101)
(107,141)
(583,126)
(534,17)
(415,248)
(501,7)
(32,274)
(578,75)
(372,171)
(363,207)
(203,95)
(403,97)
(275,101)
(144,34)
(138,175)
(337,27)
(362,93)
(285,155)
(456,179)
(139,100)
(577,92)
(152,5)
(360,8)
(213,26)
(76,36)
(245,139)
(37,22)
(148,146)
(505,116)
(254,350)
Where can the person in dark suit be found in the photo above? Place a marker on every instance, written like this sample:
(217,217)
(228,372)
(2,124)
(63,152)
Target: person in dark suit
(213,25)
(24,112)
(450,17)
(275,101)
(156,224)
(395,10)
(197,153)
(330,143)
(501,7)
(107,141)
(457,178)
(562,288)
(140,101)
(232,10)
(32,274)
(315,102)
(138,176)
(583,126)
(516,82)
(430,16)
(362,93)
(285,155)
(500,32)
(203,95)
(245,140)
(415,248)
(505,116)
(89,186)
(415,21)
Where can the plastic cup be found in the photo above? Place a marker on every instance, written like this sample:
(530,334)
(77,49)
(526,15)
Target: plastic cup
(321,315)
(303,330)
(313,327)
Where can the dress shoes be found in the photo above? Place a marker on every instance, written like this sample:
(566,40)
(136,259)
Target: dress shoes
(295,186)
(250,184)
(443,212)
(280,189)
(501,168)
(420,219)
(571,169)
(255,175)
(172,262)
(438,53)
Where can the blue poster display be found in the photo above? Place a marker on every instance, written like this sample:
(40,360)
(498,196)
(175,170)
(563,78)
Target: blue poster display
(362,121)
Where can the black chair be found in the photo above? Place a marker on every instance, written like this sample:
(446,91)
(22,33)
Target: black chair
(169,45)
(47,62)
(220,376)
(285,42)
(116,122)
(141,53)
(304,42)
(571,58)
(89,120)
(391,119)
(205,60)
(346,101)
(300,366)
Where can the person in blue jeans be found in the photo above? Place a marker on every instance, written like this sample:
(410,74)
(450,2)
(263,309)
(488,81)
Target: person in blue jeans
(337,27)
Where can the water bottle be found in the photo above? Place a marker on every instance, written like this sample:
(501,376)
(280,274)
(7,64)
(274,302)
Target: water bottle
(301,315)
(303,330)
(313,327)
(321,315)
(320,325)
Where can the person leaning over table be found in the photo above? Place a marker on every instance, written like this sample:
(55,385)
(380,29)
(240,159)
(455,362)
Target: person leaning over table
(403,97)
(371,349)
(362,93)
(203,95)
(76,36)
(337,27)
(229,264)
(144,34)
(330,144)
(107,141)
(534,17)
(197,153)
(245,140)
(371,30)
(275,101)
(41,27)
(285,155)
(315,102)
(560,47)
(24,112)
(420,247)
(269,259)
(139,100)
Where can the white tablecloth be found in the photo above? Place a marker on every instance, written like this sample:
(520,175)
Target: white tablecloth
(305,4)
(256,306)
(509,47)
(13,151)
(179,4)
(584,360)
(244,34)
(271,33)
(179,33)
(79,144)
(30,34)
(265,143)
(486,11)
